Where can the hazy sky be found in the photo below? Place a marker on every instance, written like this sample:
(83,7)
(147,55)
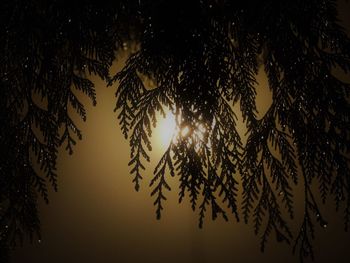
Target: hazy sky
(96,216)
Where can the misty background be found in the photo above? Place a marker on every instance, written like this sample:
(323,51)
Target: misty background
(97,216)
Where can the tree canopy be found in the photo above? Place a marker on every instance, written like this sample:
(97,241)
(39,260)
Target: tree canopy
(203,57)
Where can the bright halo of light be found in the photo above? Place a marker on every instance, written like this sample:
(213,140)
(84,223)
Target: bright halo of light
(167,131)
(166,128)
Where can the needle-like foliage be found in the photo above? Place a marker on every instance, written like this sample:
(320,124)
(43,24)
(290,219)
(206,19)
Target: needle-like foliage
(203,57)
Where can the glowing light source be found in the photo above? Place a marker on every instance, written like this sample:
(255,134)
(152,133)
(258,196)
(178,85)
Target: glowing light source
(167,131)
(166,128)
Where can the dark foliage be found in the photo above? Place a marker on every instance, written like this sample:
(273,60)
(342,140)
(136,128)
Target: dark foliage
(204,57)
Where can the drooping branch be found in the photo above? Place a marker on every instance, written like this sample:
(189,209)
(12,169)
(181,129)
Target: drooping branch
(203,57)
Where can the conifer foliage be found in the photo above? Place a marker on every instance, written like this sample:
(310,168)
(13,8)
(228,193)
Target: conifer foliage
(203,57)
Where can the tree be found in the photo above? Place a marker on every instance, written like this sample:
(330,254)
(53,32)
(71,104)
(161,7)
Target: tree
(203,57)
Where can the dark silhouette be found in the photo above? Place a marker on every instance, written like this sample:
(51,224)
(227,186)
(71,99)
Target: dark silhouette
(203,57)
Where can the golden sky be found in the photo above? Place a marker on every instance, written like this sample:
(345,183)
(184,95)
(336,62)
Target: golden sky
(96,216)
